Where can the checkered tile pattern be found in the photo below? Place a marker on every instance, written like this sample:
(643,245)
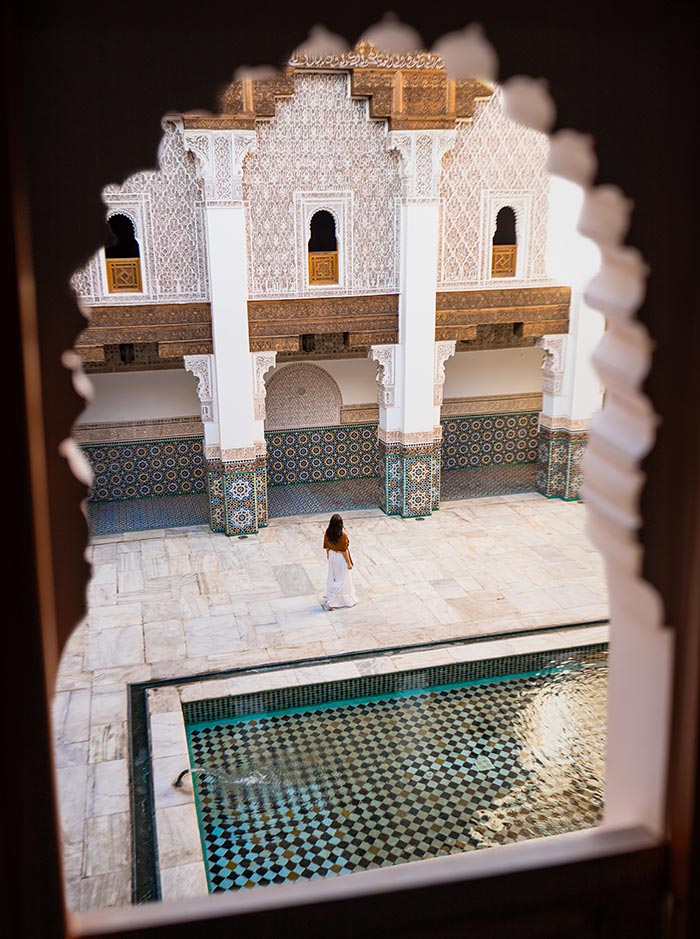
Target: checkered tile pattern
(487,481)
(108,518)
(374,782)
(310,499)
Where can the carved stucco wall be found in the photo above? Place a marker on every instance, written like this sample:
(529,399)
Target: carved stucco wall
(166,208)
(494,162)
(302,395)
(321,143)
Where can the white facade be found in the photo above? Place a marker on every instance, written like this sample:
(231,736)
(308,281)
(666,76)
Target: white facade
(225,220)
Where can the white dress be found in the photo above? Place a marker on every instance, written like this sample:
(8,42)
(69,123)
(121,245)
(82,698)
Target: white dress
(339,588)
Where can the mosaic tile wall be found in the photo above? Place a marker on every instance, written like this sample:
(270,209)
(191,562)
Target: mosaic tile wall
(322,454)
(240,503)
(559,464)
(410,482)
(489,440)
(146,468)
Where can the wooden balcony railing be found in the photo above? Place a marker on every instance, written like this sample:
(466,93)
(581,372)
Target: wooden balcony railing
(503,260)
(323,267)
(123,275)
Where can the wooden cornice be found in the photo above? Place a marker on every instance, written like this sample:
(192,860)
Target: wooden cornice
(178,328)
(278,324)
(532,311)
(410,92)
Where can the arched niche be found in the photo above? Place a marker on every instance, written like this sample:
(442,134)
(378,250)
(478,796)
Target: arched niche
(302,395)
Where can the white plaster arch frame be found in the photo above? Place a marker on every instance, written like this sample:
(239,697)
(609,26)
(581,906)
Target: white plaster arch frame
(340,206)
(302,395)
(641,651)
(492,201)
(136,207)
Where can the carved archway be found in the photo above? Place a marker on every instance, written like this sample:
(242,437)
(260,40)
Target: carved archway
(302,395)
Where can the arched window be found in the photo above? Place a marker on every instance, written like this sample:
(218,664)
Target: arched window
(122,257)
(504,246)
(323,249)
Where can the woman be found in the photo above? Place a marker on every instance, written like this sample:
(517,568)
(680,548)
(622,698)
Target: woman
(339,589)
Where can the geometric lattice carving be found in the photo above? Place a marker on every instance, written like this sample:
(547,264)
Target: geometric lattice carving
(503,260)
(168,202)
(492,155)
(323,267)
(123,275)
(302,395)
(320,141)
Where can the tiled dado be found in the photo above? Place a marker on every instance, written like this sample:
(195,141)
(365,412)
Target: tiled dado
(237,496)
(144,468)
(559,455)
(322,454)
(489,440)
(409,479)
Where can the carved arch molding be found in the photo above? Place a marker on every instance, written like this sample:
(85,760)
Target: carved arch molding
(302,395)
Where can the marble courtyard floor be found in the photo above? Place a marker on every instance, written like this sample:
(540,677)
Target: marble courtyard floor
(184,601)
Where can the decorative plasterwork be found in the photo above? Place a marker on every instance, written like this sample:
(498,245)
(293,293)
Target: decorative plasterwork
(385,357)
(261,361)
(552,363)
(398,438)
(239,454)
(203,368)
(321,143)
(490,404)
(443,351)
(166,206)
(219,156)
(166,428)
(302,395)
(340,205)
(493,158)
(567,424)
(410,91)
(365,55)
(359,413)
(421,155)
(490,205)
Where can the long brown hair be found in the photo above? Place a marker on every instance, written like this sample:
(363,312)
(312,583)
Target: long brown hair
(335,528)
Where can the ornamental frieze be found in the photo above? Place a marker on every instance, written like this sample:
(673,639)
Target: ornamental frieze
(150,314)
(322,307)
(411,91)
(533,311)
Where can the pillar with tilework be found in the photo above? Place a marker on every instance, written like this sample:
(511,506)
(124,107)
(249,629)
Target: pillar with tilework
(231,386)
(571,389)
(410,374)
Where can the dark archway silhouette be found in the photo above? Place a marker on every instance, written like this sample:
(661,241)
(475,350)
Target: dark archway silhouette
(504,245)
(124,243)
(323,235)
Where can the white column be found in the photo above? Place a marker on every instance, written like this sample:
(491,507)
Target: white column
(419,250)
(421,159)
(571,259)
(219,156)
(229,318)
